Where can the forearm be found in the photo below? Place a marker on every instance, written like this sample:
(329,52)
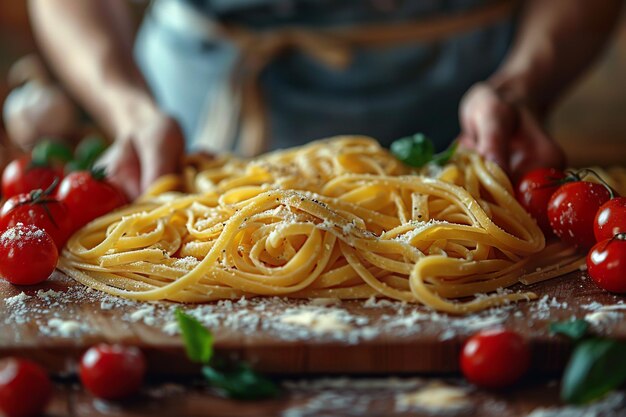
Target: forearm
(556,41)
(89,46)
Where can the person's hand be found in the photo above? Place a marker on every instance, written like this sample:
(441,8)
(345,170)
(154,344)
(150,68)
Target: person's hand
(505,132)
(146,148)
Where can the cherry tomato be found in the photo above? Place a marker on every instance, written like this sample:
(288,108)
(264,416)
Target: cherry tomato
(20,176)
(606,264)
(25,388)
(534,192)
(610,219)
(495,358)
(38,210)
(28,255)
(572,209)
(88,196)
(112,372)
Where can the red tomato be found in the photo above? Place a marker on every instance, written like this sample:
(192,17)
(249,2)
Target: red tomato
(610,219)
(534,192)
(112,372)
(572,209)
(25,388)
(606,264)
(21,177)
(495,358)
(28,255)
(89,196)
(41,211)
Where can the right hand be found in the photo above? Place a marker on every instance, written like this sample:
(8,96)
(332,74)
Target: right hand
(145,149)
(506,132)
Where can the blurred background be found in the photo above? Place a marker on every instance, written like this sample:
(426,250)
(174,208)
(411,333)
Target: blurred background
(590,122)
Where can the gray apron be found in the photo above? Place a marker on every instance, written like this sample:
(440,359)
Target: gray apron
(386,93)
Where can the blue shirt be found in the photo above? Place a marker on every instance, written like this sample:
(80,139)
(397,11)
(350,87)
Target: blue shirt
(386,93)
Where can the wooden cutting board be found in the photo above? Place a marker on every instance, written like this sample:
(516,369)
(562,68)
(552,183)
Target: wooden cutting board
(54,323)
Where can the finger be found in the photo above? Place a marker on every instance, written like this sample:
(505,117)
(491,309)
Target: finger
(466,141)
(154,164)
(467,137)
(122,167)
(549,152)
(521,157)
(160,157)
(493,132)
(534,148)
(200,154)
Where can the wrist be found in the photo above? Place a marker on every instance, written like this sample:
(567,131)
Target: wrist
(519,90)
(129,107)
(527,79)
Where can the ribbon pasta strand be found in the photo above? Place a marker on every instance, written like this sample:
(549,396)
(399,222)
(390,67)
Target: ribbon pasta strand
(336,218)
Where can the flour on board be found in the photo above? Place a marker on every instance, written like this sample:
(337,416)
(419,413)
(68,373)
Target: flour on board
(435,397)
(327,319)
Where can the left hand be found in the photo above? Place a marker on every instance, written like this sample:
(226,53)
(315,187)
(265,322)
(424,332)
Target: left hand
(148,144)
(505,132)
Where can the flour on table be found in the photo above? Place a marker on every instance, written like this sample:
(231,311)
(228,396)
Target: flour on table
(64,328)
(608,406)
(435,397)
(384,396)
(16,300)
(323,319)
(324,322)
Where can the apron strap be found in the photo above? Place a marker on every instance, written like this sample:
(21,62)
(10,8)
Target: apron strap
(240,106)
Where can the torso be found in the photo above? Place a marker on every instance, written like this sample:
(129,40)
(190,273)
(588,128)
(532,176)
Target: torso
(386,93)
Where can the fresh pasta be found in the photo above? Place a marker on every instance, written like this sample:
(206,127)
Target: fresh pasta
(338,218)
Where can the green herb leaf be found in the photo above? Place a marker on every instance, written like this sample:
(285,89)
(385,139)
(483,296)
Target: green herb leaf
(49,152)
(574,329)
(238,381)
(198,340)
(416,150)
(241,382)
(88,151)
(73,166)
(99,173)
(444,157)
(596,367)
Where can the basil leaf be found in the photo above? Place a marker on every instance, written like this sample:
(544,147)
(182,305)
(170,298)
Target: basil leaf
(574,329)
(98,173)
(238,381)
(73,166)
(88,151)
(241,382)
(596,367)
(416,150)
(49,152)
(198,340)
(444,157)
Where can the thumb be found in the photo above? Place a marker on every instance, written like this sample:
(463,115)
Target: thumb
(122,167)
(494,127)
(156,161)
(466,140)
(161,155)
(533,147)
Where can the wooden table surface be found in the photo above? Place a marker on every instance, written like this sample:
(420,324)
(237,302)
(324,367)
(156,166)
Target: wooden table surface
(291,337)
(365,397)
(410,349)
